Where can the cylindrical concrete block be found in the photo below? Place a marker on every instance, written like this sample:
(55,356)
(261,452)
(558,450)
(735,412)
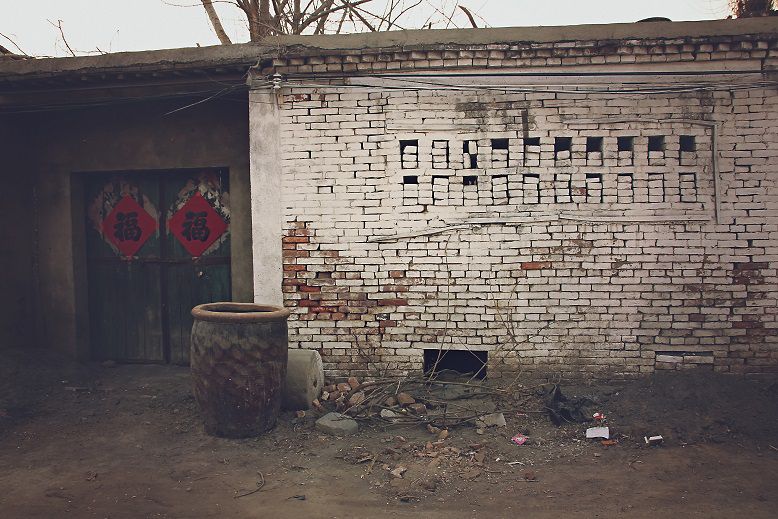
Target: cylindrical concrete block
(304,379)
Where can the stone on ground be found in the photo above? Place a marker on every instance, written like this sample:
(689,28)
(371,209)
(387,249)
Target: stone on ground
(337,424)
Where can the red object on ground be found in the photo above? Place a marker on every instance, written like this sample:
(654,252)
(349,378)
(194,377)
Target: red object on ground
(519,439)
(197,225)
(128,226)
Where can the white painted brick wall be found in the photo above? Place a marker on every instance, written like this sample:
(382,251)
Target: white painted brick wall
(549,258)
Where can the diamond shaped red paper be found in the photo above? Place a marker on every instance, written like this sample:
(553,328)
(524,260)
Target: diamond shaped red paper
(128,226)
(197,225)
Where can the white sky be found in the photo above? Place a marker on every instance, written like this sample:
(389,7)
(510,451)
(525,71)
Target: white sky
(122,25)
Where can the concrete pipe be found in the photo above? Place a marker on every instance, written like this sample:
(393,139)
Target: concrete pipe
(304,379)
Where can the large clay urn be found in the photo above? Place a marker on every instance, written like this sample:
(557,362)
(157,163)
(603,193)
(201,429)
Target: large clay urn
(238,361)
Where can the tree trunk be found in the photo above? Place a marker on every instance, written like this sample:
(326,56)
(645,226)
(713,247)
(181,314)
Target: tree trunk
(216,22)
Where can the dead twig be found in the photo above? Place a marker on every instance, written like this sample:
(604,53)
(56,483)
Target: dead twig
(260,484)
(58,25)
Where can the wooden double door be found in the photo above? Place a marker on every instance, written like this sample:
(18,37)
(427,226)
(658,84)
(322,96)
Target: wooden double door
(158,244)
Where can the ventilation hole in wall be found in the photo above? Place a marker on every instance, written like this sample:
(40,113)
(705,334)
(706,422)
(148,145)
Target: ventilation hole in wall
(625,191)
(499,144)
(324,275)
(594,193)
(562,193)
(310,154)
(625,143)
(532,151)
(656,143)
(410,179)
(656,187)
(563,148)
(500,153)
(500,193)
(688,187)
(687,144)
(454,363)
(470,154)
(440,185)
(323,190)
(440,157)
(594,151)
(530,188)
(593,144)
(409,154)
(470,180)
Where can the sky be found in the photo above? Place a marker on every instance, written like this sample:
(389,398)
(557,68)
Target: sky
(91,26)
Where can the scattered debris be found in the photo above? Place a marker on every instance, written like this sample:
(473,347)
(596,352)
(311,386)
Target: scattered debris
(599,417)
(608,443)
(491,420)
(356,399)
(418,408)
(520,439)
(529,475)
(390,415)
(398,472)
(405,399)
(260,485)
(562,409)
(337,424)
(598,432)
(653,440)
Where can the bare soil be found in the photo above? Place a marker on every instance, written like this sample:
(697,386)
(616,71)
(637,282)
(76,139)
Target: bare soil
(85,440)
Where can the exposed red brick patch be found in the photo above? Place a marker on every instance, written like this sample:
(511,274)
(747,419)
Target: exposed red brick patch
(295,239)
(747,324)
(396,274)
(535,265)
(308,288)
(392,302)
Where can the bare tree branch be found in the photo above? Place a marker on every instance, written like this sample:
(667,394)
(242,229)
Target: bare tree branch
(14,44)
(216,22)
(58,25)
(275,17)
(469,16)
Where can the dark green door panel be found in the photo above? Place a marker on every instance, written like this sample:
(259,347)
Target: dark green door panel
(139,307)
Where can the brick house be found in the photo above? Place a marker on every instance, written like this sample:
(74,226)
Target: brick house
(584,199)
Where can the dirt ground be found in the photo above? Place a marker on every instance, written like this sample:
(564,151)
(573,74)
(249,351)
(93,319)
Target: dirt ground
(126,442)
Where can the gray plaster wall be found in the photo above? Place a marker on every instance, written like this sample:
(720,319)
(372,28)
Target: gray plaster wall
(60,149)
(16,242)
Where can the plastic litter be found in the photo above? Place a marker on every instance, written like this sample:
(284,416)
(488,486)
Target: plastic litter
(519,439)
(598,432)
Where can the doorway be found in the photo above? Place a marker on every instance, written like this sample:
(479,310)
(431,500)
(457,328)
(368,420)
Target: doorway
(158,243)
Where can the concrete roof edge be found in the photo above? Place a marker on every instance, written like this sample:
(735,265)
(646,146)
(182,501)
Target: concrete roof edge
(154,60)
(250,53)
(545,34)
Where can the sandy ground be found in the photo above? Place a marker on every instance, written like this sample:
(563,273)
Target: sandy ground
(126,442)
